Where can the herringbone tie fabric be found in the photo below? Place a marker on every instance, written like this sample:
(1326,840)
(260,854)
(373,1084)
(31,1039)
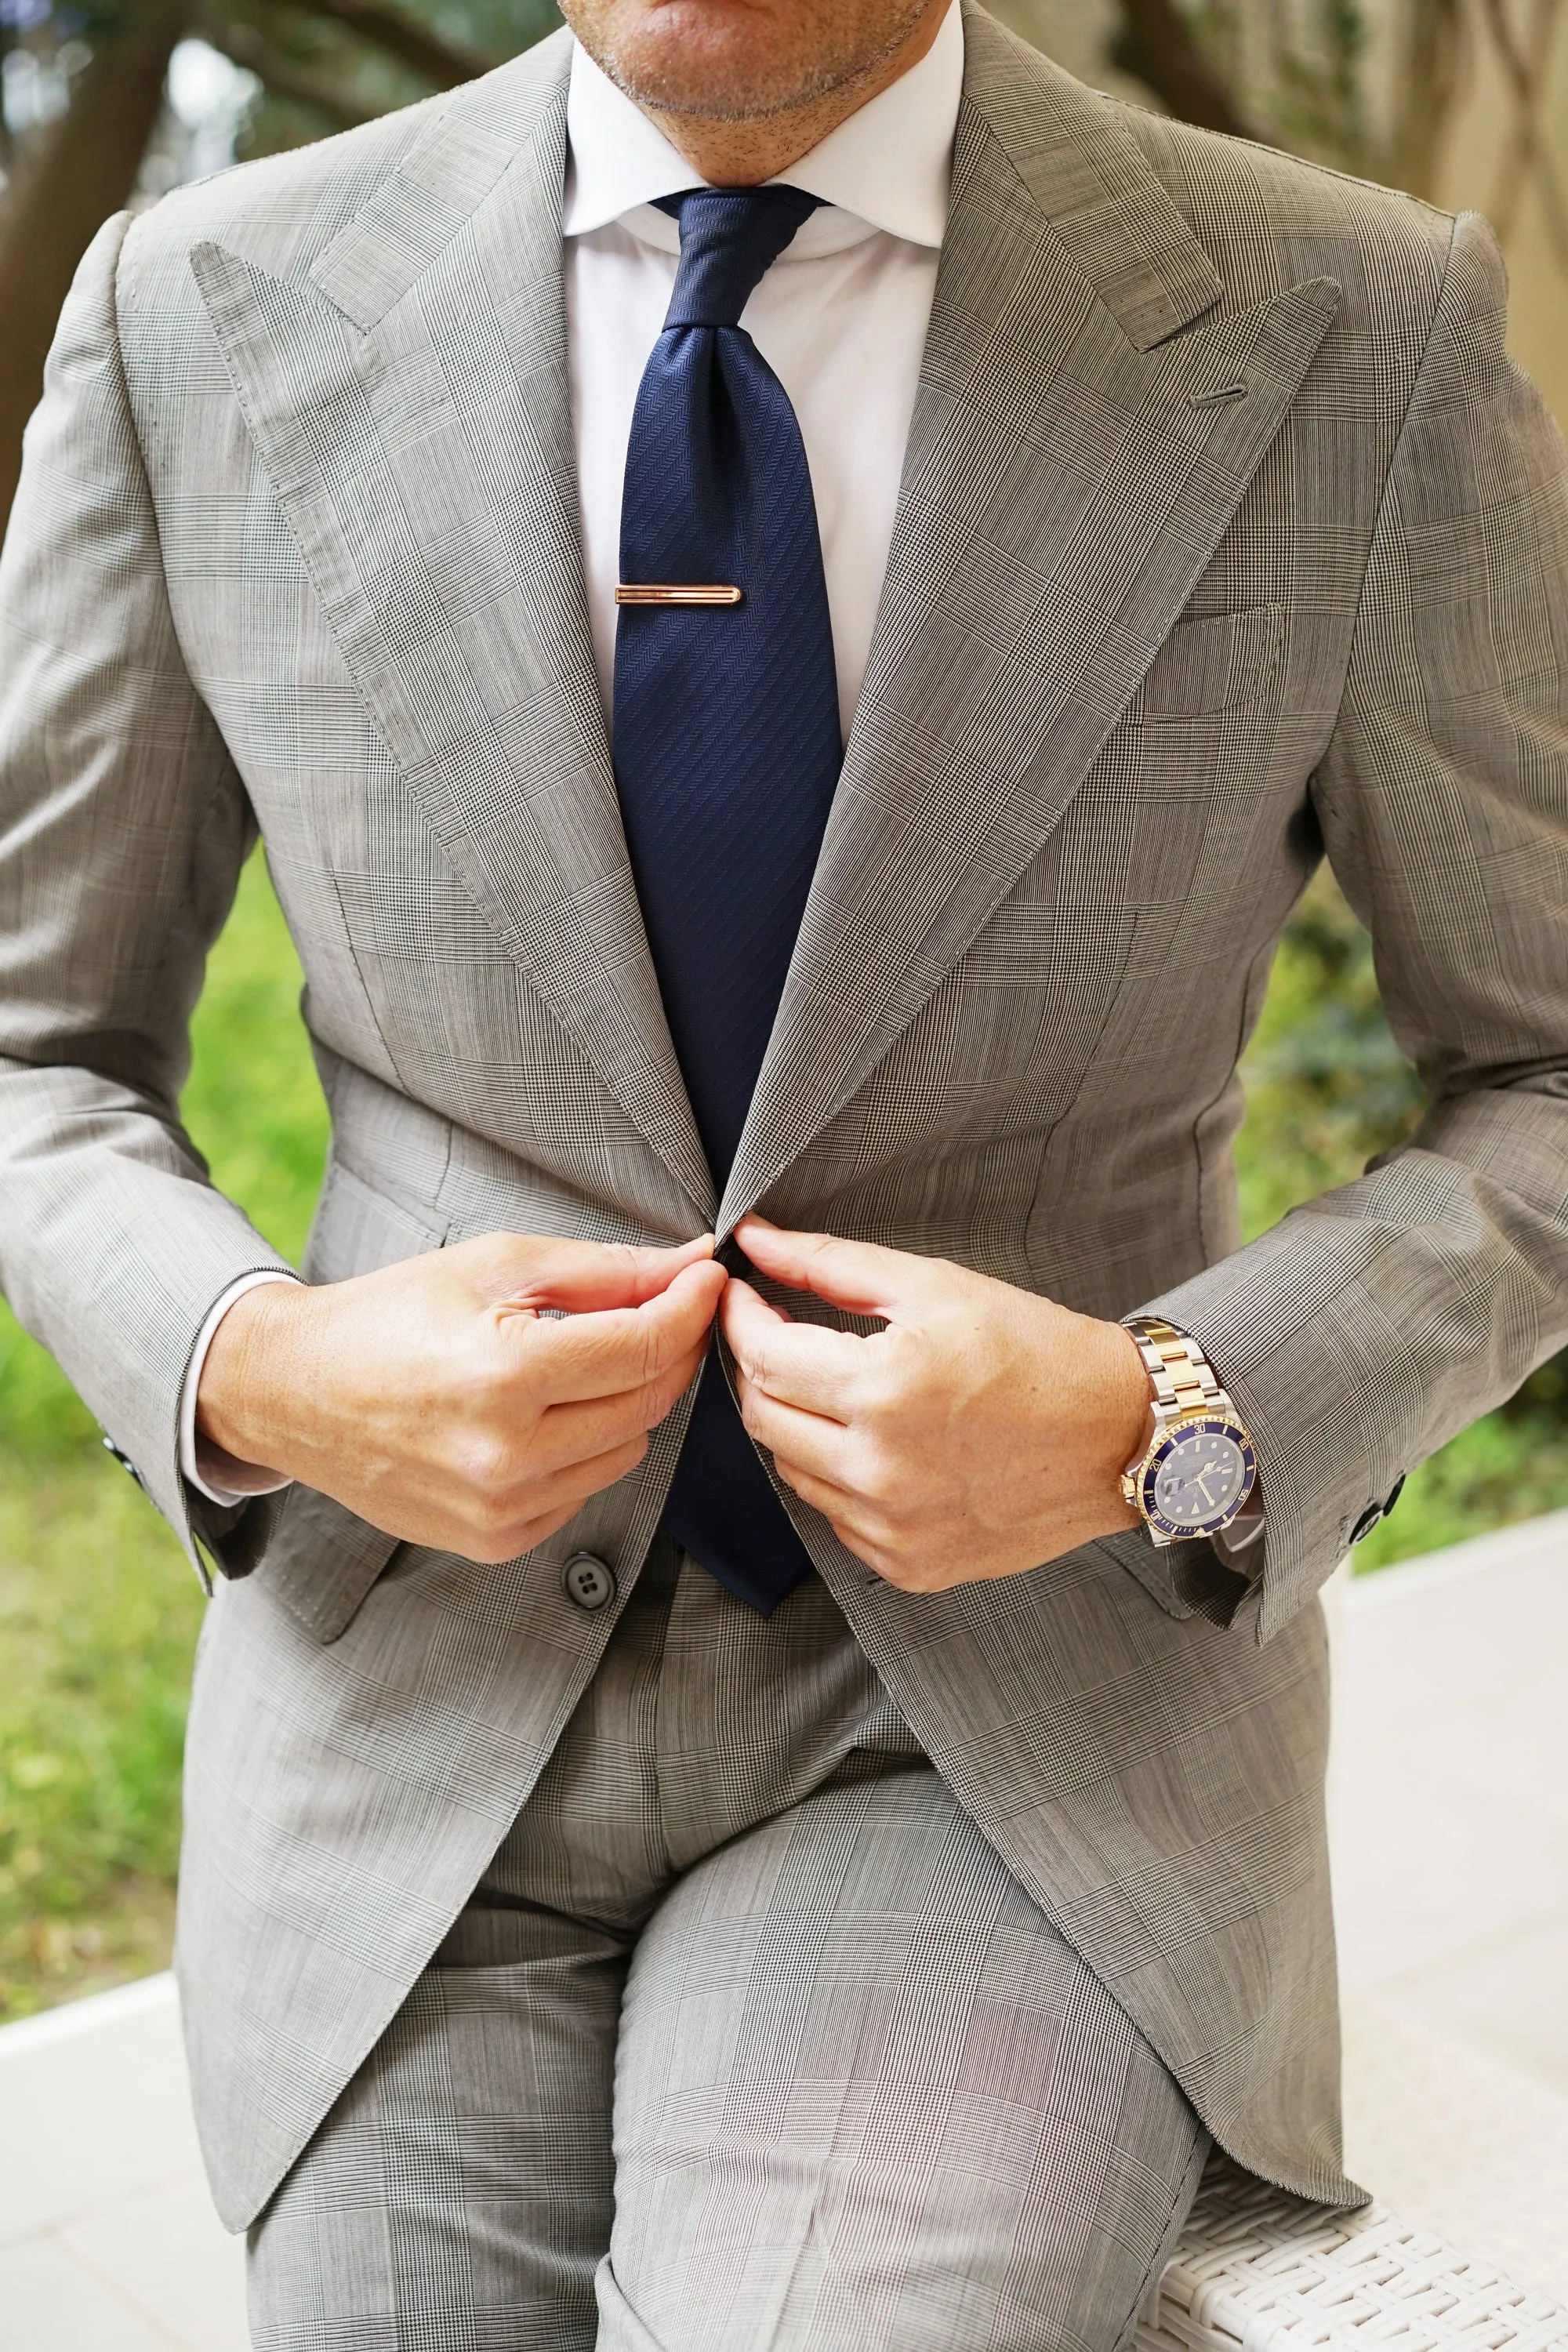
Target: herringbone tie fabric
(727,754)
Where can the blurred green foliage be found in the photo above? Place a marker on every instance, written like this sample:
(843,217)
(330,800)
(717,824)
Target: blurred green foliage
(1327,1089)
(99,1611)
(99,1615)
(99,1607)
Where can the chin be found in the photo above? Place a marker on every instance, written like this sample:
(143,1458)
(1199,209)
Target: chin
(720,86)
(728,58)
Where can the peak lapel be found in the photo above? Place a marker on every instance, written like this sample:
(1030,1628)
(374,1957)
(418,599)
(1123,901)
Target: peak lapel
(1067,482)
(410,404)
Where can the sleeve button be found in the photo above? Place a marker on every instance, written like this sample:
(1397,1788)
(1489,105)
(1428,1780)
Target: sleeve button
(123,1458)
(589,1581)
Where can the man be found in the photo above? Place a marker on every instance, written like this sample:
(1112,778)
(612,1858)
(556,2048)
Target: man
(795,597)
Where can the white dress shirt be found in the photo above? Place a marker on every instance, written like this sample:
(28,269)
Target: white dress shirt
(841,319)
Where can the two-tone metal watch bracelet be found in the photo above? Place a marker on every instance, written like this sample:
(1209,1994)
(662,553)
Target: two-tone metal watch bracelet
(1180,1373)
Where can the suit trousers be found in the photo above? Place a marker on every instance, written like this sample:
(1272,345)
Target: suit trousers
(747,2041)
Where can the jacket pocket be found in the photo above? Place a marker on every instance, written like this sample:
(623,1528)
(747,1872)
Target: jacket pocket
(1212,663)
(1187,1580)
(322,1561)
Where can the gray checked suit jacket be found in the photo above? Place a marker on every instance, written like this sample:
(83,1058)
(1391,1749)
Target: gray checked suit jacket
(1227,533)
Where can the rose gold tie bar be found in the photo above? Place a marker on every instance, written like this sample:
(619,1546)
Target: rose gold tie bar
(710,593)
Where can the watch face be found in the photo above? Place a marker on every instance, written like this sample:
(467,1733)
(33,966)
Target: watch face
(1200,1477)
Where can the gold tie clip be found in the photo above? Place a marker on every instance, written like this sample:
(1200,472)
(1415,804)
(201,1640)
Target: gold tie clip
(710,594)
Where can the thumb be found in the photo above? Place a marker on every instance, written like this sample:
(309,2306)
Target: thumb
(860,1276)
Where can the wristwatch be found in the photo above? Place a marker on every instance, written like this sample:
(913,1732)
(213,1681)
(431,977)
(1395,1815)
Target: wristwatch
(1199,1468)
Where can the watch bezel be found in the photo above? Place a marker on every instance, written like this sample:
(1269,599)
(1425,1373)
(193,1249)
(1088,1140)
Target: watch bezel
(1165,1439)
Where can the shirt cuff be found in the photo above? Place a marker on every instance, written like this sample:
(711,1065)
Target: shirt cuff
(218,1476)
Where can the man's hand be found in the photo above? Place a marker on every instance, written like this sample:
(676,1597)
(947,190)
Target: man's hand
(984,1432)
(435,1400)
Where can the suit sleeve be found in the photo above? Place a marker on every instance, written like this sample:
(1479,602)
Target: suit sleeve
(1369,1326)
(122,829)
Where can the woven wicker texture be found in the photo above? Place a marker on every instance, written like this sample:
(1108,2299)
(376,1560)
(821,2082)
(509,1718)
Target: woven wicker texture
(1259,2269)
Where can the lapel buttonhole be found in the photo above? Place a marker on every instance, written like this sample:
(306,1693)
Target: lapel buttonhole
(1222,393)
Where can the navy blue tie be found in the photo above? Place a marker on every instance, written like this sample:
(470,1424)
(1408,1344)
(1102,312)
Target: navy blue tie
(727,749)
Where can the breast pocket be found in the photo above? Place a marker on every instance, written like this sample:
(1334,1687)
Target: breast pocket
(1212,663)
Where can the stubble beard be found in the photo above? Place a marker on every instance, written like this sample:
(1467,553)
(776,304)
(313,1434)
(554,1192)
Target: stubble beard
(825,61)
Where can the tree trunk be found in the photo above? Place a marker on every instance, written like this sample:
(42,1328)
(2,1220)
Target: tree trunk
(1156,46)
(401,35)
(1434,38)
(81,169)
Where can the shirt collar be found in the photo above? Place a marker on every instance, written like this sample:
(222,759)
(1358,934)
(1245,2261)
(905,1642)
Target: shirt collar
(890,164)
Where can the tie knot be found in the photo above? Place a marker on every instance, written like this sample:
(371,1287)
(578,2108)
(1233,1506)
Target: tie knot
(730,239)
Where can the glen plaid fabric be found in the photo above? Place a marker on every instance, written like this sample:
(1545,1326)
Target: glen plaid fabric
(1228,533)
(727,751)
(866,2098)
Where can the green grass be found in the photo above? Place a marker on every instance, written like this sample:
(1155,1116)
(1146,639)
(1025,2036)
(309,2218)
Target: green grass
(99,1607)
(98,1610)
(98,1615)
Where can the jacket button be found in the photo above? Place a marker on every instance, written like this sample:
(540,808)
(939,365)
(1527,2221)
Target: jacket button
(588,1581)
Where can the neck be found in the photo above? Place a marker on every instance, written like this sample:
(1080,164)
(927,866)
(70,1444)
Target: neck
(743,153)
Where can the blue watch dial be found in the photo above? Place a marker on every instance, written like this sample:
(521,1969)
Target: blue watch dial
(1198,1479)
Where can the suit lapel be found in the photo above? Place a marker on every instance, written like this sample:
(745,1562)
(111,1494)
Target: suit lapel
(1069,476)
(1065,483)
(410,402)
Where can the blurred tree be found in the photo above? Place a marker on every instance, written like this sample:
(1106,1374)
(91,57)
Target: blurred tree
(1370,86)
(83,90)
(84,108)
(1161,45)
